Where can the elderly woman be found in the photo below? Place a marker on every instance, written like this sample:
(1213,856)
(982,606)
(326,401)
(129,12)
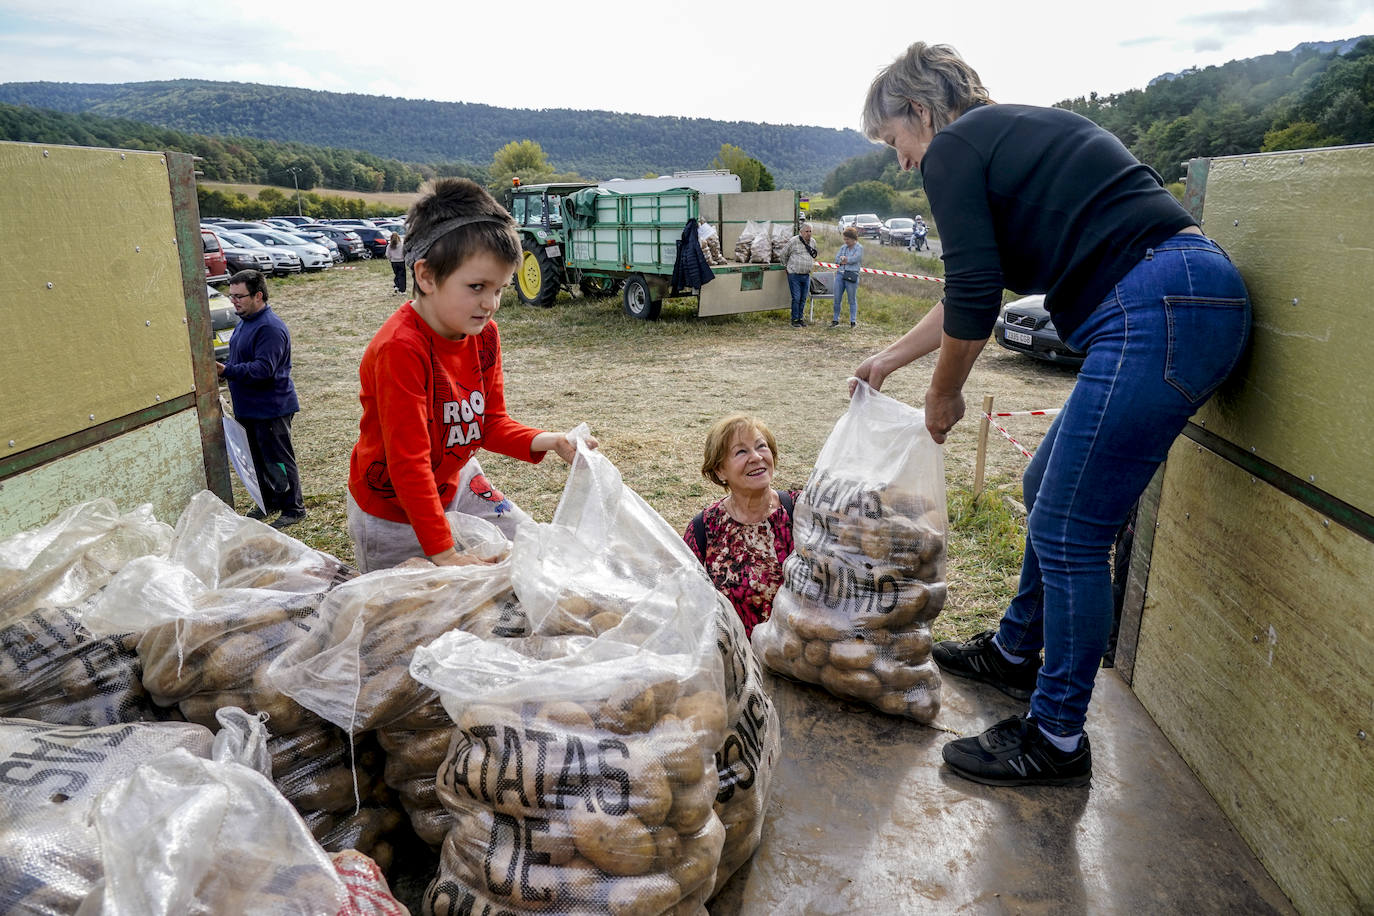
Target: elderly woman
(1130,280)
(743,538)
(799,256)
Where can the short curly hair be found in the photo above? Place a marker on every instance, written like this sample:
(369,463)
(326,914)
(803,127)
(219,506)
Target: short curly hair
(719,437)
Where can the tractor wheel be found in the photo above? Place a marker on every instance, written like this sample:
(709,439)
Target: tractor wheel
(596,287)
(536,282)
(639,300)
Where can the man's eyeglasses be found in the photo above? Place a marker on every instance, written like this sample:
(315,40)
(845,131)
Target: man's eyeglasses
(239,297)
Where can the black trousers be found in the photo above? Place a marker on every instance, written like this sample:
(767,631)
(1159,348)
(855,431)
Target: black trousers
(399,268)
(269,442)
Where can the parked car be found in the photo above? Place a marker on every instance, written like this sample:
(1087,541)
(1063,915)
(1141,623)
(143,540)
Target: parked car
(223,320)
(239,257)
(896,231)
(238,225)
(295,220)
(350,221)
(216,268)
(313,257)
(847,221)
(318,238)
(374,240)
(350,244)
(1025,326)
(869,226)
(278,223)
(284,260)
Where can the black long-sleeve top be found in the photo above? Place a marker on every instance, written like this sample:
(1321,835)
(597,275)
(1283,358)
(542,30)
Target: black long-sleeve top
(1038,200)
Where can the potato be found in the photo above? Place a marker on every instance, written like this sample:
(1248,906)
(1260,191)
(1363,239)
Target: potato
(862,685)
(583,884)
(667,847)
(646,896)
(896,676)
(855,653)
(677,750)
(700,853)
(703,711)
(803,670)
(693,804)
(569,716)
(819,622)
(912,647)
(606,620)
(791,645)
(651,795)
(893,702)
(616,845)
(629,709)
(816,652)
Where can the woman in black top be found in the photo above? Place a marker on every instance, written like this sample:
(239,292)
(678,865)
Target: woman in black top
(1041,200)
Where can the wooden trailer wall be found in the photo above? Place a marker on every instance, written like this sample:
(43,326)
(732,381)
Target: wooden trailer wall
(107,375)
(1248,631)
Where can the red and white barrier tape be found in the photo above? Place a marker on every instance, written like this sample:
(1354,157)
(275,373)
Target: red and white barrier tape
(884,273)
(1009,438)
(1053,411)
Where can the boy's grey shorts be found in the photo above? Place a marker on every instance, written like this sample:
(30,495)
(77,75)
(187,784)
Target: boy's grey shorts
(381,544)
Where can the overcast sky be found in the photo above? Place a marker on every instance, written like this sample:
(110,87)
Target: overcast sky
(782,62)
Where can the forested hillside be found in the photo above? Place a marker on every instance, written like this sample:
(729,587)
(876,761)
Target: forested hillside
(595,144)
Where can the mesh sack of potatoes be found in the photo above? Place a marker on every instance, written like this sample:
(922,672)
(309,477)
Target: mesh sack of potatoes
(53,670)
(745,243)
(582,776)
(53,774)
(782,234)
(752,747)
(203,649)
(187,835)
(761,245)
(868,574)
(63,563)
(353,667)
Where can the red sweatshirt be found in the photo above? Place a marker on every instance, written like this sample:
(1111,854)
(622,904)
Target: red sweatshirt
(429,404)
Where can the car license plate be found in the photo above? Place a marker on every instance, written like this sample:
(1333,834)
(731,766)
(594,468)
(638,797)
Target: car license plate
(223,336)
(1017,337)
(553,251)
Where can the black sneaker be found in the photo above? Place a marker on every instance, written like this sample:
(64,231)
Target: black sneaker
(980,660)
(853,325)
(288,519)
(834,324)
(255,514)
(1014,753)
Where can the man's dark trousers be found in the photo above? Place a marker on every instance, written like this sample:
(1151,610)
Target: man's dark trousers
(269,442)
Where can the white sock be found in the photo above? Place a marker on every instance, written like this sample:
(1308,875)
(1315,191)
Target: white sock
(1064,744)
(1014,659)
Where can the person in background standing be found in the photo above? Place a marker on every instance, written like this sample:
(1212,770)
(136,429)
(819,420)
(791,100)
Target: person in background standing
(800,257)
(850,258)
(259,376)
(395,253)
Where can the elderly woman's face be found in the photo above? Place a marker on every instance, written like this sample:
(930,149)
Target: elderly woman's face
(748,465)
(910,137)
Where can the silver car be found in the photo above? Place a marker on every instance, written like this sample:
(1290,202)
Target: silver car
(284,260)
(313,257)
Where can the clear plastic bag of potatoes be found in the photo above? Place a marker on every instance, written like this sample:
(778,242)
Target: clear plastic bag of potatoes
(49,851)
(868,574)
(64,562)
(582,776)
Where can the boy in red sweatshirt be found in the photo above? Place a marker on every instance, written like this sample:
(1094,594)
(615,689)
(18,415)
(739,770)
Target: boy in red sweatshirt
(432,389)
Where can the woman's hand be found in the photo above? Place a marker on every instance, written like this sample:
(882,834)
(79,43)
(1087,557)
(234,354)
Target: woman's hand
(452,557)
(873,370)
(943,410)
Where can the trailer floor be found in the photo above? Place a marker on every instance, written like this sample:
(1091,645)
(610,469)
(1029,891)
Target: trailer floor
(864,818)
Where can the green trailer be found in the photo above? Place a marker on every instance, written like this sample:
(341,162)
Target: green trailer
(589,238)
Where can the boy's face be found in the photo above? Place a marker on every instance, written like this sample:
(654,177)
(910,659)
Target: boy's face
(466,299)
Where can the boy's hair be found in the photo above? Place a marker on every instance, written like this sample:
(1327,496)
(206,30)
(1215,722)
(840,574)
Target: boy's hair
(481,224)
(722,433)
(252,280)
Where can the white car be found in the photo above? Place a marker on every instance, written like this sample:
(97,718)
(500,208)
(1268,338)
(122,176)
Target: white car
(283,260)
(313,257)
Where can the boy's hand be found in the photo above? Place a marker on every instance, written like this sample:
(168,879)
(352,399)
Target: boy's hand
(452,557)
(559,443)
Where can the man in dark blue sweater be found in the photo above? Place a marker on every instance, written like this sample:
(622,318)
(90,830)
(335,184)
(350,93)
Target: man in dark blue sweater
(259,376)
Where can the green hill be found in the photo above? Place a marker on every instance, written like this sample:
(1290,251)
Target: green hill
(594,144)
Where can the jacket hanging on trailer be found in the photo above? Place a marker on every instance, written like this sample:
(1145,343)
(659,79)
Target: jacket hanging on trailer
(691,270)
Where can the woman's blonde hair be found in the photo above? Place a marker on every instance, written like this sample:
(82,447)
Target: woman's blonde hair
(933,75)
(719,437)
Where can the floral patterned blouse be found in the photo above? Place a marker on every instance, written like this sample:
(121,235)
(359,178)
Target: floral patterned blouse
(744,561)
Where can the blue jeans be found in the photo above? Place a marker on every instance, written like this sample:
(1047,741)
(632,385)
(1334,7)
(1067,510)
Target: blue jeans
(841,287)
(1157,347)
(800,285)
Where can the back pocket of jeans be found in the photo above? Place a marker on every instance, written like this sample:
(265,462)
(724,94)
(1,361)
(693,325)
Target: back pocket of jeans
(1206,339)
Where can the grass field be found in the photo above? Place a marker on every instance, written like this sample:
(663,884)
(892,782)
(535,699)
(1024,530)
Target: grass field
(649,390)
(398,199)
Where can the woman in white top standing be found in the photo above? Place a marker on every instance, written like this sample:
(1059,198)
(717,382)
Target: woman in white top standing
(395,253)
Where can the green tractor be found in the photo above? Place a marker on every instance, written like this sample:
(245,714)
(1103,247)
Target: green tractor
(538,213)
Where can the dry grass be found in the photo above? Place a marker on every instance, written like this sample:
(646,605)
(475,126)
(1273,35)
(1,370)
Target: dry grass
(649,390)
(401,200)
